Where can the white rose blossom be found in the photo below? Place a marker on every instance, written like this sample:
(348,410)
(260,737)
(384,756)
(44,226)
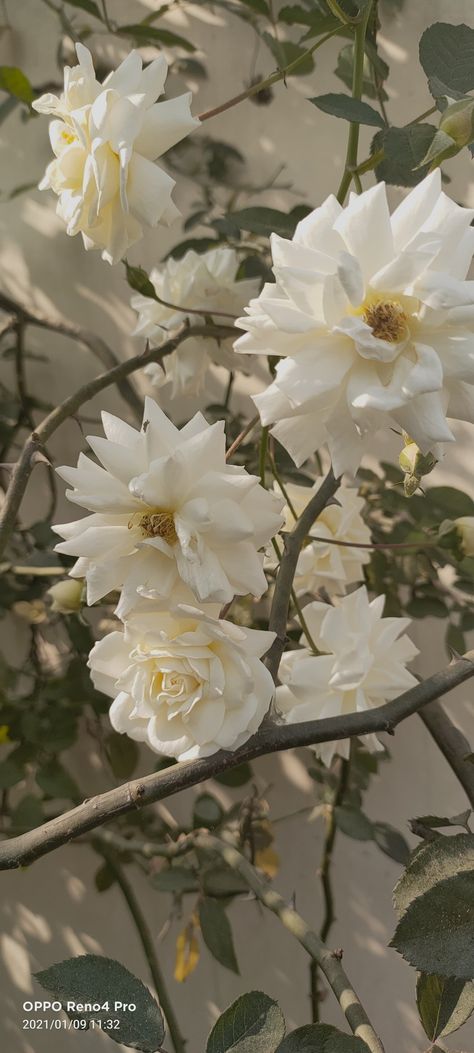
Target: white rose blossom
(372,316)
(328,565)
(465,528)
(363,665)
(105,138)
(206,281)
(169,515)
(184,682)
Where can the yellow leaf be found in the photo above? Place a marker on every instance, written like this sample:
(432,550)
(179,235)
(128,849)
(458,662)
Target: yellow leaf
(187,953)
(4,737)
(268,861)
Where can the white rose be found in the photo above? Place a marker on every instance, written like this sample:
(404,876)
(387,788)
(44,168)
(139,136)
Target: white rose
(183,681)
(373,319)
(168,513)
(206,281)
(105,138)
(363,665)
(329,565)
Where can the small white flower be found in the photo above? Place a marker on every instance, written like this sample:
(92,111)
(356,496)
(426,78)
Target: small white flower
(183,681)
(372,317)
(363,665)
(168,512)
(465,529)
(329,565)
(206,281)
(105,138)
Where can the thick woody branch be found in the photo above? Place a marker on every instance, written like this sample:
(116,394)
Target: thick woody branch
(286,573)
(329,962)
(36,441)
(94,343)
(453,745)
(24,849)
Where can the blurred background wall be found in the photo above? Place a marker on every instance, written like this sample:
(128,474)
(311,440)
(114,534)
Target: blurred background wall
(48,911)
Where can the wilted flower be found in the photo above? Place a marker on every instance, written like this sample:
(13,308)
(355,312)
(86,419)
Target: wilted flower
(363,665)
(206,281)
(168,513)
(66,596)
(329,565)
(105,138)
(372,317)
(183,681)
(465,528)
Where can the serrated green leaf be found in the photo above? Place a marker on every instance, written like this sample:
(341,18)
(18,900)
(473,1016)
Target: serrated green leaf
(444,1004)
(354,823)
(435,932)
(339,105)
(447,53)
(16,83)
(404,149)
(258,220)
(93,978)
(145,35)
(433,862)
(252,1024)
(391,842)
(321,1038)
(217,933)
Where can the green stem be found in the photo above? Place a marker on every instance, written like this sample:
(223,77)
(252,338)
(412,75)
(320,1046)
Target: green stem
(303,622)
(357,85)
(325,875)
(267,83)
(179,1043)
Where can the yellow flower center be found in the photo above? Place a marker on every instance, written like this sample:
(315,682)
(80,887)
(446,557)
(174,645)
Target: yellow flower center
(68,137)
(387,320)
(158,523)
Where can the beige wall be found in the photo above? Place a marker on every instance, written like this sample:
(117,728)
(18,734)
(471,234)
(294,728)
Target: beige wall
(48,911)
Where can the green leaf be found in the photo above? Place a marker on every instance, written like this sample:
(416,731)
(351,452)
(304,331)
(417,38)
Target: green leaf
(447,54)
(404,149)
(391,842)
(321,1038)
(435,932)
(444,1004)
(354,823)
(123,754)
(16,83)
(197,244)
(426,607)
(175,879)
(223,882)
(263,221)
(104,878)
(431,863)
(235,776)
(340,105)
(145,35)
(217,933)
(55,781)
(27,814)
(317,23)
(435,822)
(449,501)
(344,70)
(207,811)
(86,5)
(92,978)
(252,1024)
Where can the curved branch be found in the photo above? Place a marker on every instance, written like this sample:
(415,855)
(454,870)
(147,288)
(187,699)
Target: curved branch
(24,849)
(94,343)
(453,745)
(329,961)
(35,442)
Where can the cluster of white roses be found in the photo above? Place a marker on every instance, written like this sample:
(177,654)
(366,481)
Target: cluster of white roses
(372,319)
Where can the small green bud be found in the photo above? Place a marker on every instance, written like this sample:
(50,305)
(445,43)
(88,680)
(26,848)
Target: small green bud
(458,122)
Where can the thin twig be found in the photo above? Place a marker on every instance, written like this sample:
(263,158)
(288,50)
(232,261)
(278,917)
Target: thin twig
(19,851)
(146,940)
(328,961)
(453,745)
(242,435)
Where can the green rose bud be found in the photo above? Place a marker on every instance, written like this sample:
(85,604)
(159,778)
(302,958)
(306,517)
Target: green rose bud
(458,122)
(67,597)
(465,528)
